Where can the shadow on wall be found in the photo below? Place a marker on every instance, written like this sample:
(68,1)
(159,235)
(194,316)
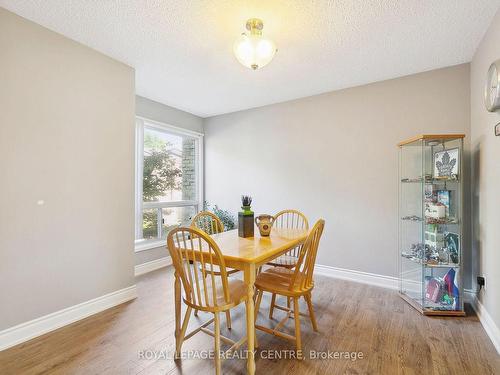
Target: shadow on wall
(467,252)
(475,213)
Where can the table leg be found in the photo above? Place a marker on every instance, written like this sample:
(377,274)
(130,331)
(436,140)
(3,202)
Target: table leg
(177,302)
(249,278)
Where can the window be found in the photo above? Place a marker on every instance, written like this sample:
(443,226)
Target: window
(168,180)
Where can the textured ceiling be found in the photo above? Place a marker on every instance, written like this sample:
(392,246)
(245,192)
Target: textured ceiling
(182,50)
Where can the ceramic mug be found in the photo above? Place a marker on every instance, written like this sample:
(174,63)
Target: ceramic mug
(264,223)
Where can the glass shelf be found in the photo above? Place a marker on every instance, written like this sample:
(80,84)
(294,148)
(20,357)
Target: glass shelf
(412,218)
(428,181)
(429,221)
(430,265)
(430,305)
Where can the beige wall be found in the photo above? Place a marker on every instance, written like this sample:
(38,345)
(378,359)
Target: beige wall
(66,137)
(334,156)
(486,175)
(168,115)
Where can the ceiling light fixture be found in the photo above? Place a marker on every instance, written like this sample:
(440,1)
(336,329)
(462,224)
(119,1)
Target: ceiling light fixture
(252,49)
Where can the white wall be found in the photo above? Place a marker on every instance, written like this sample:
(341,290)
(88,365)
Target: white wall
(67,138)
(334,156)
(486,176)
(168,115)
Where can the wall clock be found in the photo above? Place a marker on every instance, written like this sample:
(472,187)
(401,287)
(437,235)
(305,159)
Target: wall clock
(492,89)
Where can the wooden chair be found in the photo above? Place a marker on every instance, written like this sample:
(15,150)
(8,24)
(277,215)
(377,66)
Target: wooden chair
(287,219)
(211,292)
(211,224)
(207,222)
(293,284)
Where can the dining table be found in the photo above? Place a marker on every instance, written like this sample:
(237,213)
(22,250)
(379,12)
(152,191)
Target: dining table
(248,255)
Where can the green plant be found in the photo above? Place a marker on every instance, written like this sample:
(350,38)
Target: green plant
(246,200)
(227,218)
(149,224)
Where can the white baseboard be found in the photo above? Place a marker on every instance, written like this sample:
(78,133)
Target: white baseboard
(36,327)
(383,281)
(486,320)
(469,296)
(154,265)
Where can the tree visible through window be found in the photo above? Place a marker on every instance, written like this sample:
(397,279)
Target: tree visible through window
(160,170)
(169,182)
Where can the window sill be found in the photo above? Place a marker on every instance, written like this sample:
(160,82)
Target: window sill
(148,245)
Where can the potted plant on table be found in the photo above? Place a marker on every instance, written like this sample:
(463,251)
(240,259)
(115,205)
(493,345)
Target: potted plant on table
(246,217)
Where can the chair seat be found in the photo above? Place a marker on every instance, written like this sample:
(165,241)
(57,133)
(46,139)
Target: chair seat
(285,260)
(216,269)
(278,280)
(237,293)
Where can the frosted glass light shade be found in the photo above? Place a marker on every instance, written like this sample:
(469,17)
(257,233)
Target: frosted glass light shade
(254,51)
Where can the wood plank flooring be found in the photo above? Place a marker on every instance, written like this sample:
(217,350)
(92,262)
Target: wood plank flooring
(392,336)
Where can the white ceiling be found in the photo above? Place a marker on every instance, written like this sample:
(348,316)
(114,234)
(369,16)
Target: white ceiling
(182,50)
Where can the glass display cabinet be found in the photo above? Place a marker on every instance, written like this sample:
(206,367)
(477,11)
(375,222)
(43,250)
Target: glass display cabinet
(430,225)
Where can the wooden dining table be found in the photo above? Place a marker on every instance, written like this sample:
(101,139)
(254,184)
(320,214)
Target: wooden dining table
(247,255)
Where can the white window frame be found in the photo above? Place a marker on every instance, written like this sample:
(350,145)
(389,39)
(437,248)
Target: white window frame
(141,124)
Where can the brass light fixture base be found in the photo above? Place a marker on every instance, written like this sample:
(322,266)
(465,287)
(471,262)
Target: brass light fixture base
(255,26)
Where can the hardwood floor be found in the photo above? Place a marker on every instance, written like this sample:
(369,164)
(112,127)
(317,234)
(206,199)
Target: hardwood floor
(392,336)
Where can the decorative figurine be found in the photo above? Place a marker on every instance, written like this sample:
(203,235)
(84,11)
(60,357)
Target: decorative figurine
(426,253)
